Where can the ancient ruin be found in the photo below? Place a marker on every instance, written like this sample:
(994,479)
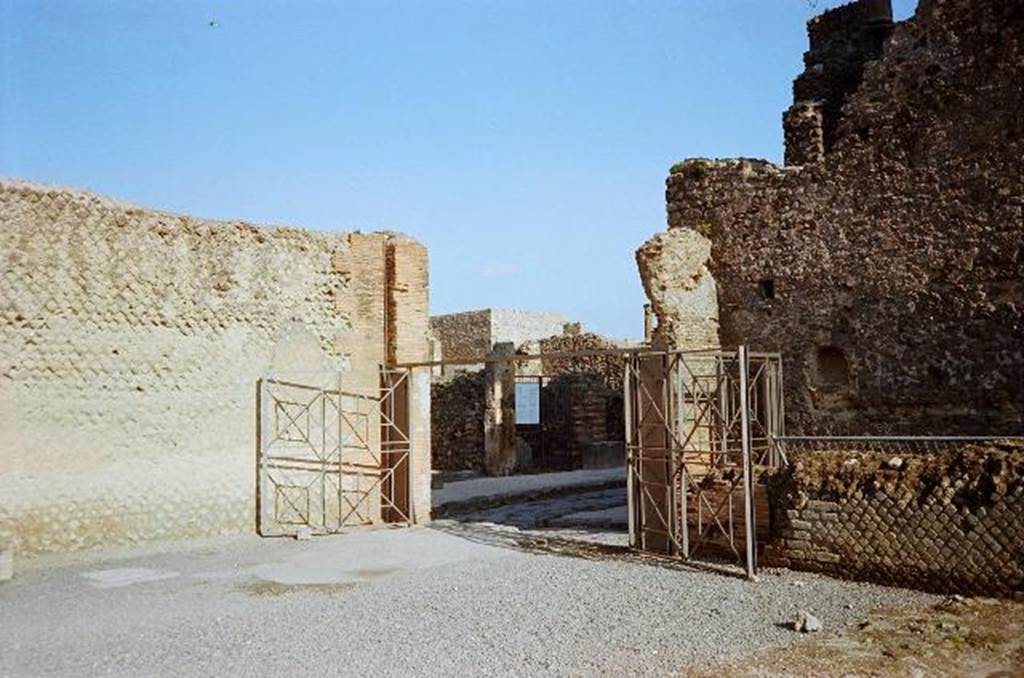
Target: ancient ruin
(884,259)
(883,265)
(833,391)
(133,342)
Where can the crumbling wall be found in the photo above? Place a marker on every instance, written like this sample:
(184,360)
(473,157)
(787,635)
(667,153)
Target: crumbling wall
(463,336)
(888,270)
(943,521)
(131,342)
(578,409)
(457,414)
(677,280)
(470,335)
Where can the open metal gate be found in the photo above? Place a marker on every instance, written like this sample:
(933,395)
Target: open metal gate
(699,427)
(332,458)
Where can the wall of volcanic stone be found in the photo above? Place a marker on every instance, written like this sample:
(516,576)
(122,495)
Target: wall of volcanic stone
(457,415)
(131,342)
(944,521)
(890,272)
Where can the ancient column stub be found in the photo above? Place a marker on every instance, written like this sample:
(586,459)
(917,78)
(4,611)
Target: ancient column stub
(500,413)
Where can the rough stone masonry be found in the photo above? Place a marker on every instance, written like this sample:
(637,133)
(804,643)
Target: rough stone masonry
(885,261)
(131,342)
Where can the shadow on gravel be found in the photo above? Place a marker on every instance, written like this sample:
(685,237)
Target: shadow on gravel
(559,546)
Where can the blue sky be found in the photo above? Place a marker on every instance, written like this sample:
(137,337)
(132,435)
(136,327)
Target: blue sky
(525,143)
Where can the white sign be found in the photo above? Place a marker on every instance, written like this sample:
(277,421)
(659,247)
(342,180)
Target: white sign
(528,403)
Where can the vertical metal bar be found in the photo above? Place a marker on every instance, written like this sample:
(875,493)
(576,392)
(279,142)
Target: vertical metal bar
(668,467)
(262,443)
(684,509)
(748,488)
(640,409)
(323,458)
(627,416)
(410,386)
(724,416)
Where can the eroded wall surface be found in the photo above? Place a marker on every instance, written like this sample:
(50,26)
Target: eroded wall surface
(131,343)
(887,267)
(945,521)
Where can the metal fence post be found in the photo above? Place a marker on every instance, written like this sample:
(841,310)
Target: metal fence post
(748,485)
(627,404)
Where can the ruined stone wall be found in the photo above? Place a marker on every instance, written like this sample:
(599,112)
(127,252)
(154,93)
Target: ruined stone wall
(463,336)
(131,342)
(457,414)
(947,522)
(577,409)
(889,272)
(472,334)
(517,327)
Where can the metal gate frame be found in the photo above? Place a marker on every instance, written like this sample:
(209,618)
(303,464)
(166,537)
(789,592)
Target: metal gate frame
(329,457)
(699,425)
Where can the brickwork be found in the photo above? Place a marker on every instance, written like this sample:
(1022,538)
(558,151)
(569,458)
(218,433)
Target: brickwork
(948,522)
(131,342)
(887,267)
(575,412)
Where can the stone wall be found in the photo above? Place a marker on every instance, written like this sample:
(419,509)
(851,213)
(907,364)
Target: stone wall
(577,409)
(457,416)
(889,269)
(517,327)
(581,400)
(471,335)
(945,521)
(131,342)
(463,336)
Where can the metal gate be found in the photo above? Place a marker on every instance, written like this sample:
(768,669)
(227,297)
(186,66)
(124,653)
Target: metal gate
(699,427)
(333,458)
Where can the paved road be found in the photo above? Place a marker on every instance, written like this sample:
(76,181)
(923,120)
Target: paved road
(455,599)
(545,512)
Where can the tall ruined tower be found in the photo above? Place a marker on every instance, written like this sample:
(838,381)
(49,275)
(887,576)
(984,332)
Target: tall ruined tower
(842,41)
(885,261)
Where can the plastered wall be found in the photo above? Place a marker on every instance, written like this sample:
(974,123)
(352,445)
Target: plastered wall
(131,342)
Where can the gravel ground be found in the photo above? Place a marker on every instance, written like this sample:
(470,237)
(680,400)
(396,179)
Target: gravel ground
(455,599)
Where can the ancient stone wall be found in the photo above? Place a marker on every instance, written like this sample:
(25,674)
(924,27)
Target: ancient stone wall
(889,270)
(131,342)
(457,415)
(463,336)
(944,521)
(517,327)
(577,409)
(471,335)
(842,42)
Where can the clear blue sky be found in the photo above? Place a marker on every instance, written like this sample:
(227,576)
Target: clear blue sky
(524,142)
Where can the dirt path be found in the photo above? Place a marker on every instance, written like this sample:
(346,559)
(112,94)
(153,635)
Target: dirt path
(972,637)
